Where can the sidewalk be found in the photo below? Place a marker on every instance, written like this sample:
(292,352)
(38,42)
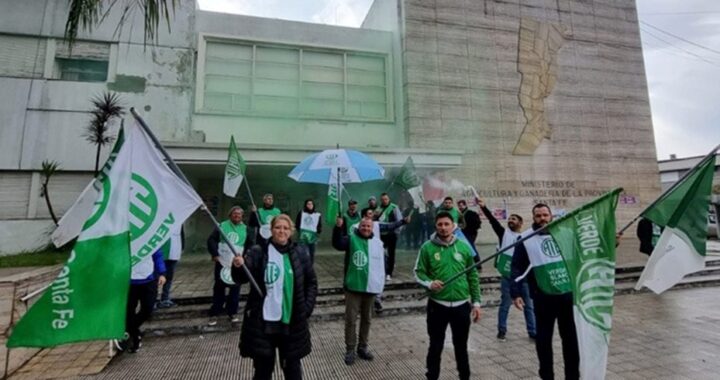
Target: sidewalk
(675,336)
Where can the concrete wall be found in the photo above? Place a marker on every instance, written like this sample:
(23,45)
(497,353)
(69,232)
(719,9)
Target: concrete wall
(464,84)
(300,131)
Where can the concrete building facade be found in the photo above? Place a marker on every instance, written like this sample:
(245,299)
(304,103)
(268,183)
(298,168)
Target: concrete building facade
(527,101)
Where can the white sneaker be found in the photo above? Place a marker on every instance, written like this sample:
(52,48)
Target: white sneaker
(212,321)
(388,278)
(234,319)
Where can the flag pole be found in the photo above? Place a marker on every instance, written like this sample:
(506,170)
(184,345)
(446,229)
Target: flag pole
(710,155)
(494,255)
(173,166)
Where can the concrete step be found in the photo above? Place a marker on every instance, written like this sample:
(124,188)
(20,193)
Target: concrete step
(192,319)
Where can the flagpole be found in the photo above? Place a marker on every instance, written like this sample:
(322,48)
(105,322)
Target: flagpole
(496,254)
(671,188)
(173,166)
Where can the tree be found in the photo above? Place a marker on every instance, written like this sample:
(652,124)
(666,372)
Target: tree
(106,107)
(90,13)
(48,169)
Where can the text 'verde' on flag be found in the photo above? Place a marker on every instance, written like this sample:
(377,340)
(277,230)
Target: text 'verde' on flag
(586,241)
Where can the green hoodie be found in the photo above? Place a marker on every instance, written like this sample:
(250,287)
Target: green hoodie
(438,260)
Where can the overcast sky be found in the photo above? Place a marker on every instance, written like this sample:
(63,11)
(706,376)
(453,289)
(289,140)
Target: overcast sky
(683,79)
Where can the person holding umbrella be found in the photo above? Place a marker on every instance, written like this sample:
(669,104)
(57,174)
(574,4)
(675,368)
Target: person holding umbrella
(277,319)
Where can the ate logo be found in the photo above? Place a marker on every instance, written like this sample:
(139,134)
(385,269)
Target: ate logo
(143,206)
(272,273)
(233,236)
(360,259)
(550,248)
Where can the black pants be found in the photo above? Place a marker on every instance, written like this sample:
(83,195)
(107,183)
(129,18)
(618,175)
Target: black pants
(230,302)
(547,310)
(390,242)
(438,318)
(145,295)
(264,366)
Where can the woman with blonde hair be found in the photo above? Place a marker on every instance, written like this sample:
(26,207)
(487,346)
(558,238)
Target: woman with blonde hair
(277,320)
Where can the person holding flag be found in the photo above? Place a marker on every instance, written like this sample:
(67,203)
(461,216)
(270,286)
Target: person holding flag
(540,260)
(508,236)
(222,256)
(364,272)
(310,223)
(140,204)
(261,218)
(143,290)
(277,319)
(455,303)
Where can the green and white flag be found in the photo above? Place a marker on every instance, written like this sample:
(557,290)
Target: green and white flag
(234,170)
(333,203)
(586,240)
(366,267)
(72,221)
(87,300)
(159,203)
(408,178)
(683,213)
(140,205)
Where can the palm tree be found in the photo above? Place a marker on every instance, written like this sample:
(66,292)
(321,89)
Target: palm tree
(90,13)
(106,107)
(48,168)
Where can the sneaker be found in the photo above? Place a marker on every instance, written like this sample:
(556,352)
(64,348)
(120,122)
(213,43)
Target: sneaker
(388,278)
(378,306)
(349,357)
(165,304)
(121,345)
(234,318)
(136,344)
(501,336)
(532,336)
(213,321)
(365,354)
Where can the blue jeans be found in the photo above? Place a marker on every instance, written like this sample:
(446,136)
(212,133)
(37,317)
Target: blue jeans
(506,301)
(169,274)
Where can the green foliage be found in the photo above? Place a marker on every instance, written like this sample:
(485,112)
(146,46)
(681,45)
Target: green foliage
(89,13)
(44,257)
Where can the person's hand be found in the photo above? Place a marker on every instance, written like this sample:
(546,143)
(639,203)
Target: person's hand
(436,285)
(480,202)
(161,280)
(519,303)
(339,222)
(253,208)
(475,314)
(618,236)
(215,258)
(238,261)
(407,219)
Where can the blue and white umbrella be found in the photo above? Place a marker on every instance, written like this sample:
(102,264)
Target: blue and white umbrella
(323,167)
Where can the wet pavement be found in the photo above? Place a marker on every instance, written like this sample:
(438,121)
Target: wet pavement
(673,336)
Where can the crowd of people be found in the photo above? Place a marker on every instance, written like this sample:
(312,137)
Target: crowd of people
(275,320)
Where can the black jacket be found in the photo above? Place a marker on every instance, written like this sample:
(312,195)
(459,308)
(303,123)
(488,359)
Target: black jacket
(255,335)
(645,234)
(215,239)
(472,222)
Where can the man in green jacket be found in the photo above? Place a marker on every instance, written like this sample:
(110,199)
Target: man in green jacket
(455,304)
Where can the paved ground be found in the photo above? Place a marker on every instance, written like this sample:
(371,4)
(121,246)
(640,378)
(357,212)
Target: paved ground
(673,336)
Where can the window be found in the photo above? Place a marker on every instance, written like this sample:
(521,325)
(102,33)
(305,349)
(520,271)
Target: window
(277,80)
(85,62)
(22,56)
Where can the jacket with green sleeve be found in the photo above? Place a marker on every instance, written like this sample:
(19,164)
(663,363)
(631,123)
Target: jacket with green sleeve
(439,260)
